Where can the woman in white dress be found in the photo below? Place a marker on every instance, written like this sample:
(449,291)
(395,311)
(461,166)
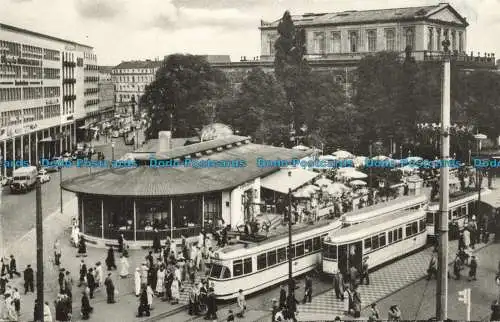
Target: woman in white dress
(150,293)
(173,248)
(75,236)
(137,281)
(144,273)
(346,301)
(124,266)
(175,291)
(160,281)
(47,315)
(99,274)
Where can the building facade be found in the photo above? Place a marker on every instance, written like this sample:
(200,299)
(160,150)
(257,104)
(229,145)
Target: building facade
(130,79)
(42,86)
(106,93)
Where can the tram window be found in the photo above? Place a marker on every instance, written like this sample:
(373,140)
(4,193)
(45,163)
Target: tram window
(271,258)
(463,211)
(430,218)
(400,234)
(226,273)
(330,251)
(414,228)
(375,243)
(215,271)
(281,255)
(389,234)
(308,246)
(368,244)
(261,261)
(247,265)
(237,267)
(299,249)
(316,243)
(408,230)
(381,238)
(292,252)
(422,224)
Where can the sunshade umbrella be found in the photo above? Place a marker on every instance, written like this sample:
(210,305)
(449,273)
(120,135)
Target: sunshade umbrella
(300,147)
(357,183)
(414,159)
(380,158)
(341,154)
(328,157)
(355,175)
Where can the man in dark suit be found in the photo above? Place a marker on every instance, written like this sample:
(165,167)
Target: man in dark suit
(338,285)
(91,282)
(29,277)
(282,302)
(211,306)
(13,267)
(308,290)
(110,289)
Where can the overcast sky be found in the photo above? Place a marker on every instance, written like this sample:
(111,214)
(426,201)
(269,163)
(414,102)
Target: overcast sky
(139,29)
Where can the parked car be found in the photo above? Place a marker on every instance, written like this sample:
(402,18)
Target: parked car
(43,176)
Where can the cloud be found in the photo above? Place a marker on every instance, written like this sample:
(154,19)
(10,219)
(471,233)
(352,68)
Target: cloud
(98,9)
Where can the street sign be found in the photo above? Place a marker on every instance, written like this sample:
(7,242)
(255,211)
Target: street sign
(465,297)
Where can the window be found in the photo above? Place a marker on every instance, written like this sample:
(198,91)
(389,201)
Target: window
(330,251)
(336,42)
(299,249)
(308,246)
(216,271)
(319,42)
(414,228)
(237,267)
(226,273)
(408,230)
(281,255)
(271,258)
(375,242)
(430,44)
(261,261)
(410,37)
(390,39)
(270,42)
(460,41)
(453,40)
(430,218)
(389,235)
(368,244)
(446,34)
(353,41)
(316,243)
(422,224)
(381,238)
(372,40)
(247,265)
(438,39)
(292,252)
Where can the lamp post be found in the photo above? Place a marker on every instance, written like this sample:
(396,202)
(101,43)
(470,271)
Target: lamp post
(112,150)
(478,136)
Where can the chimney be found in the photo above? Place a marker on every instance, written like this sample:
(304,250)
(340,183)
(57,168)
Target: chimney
(164,141)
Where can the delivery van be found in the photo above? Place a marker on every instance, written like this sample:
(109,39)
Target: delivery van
(23,179)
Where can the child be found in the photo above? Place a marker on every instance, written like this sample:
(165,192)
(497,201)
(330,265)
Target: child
(473,269)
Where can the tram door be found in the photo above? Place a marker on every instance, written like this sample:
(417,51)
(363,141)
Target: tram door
(350,255)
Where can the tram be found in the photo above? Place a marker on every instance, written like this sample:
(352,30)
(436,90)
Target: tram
(379,241)
(401,204)
(256,266)
(461,208)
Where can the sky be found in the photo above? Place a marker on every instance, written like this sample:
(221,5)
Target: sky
(144,29)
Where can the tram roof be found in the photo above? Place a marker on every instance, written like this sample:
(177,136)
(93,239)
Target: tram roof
(465,197)
(146,181)
(368,228)
(392,205)
(245,249)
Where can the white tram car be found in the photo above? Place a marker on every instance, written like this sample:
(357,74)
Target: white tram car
(460,211)
(379,240)
(397,205)
(256,266)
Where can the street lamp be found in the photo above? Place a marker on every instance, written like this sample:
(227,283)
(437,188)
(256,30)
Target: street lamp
(479,137)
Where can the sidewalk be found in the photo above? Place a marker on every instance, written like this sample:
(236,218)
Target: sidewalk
(57,226)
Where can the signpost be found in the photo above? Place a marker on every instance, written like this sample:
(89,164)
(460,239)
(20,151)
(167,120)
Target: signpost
(464,296)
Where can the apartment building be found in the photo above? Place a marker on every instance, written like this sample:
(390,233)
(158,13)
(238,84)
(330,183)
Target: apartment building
(42,93)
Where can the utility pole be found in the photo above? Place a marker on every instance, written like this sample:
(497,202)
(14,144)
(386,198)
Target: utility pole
(291,286)
(39,251)
(442,281)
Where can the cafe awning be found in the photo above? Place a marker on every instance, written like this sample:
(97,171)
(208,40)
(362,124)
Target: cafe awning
(281,180)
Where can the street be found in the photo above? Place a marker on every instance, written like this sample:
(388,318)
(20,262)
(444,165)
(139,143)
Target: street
(18,210)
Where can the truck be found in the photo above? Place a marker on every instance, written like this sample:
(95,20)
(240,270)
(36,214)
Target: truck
(24,179)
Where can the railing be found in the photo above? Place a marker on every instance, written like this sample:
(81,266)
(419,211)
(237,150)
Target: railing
(69,64)
(69,97)
(69,81)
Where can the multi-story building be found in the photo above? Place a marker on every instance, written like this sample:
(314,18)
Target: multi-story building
(91,89)
(41,94)
(130,79)
(106,93)
(336,42)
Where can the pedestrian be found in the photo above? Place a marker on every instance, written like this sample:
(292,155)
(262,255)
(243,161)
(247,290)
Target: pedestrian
(110,289)
(124,266)
(29,278)
(457,267)
(57,253)
(143,303)
(121,242)
(91,282)
(16,298)
(282,302)
(156,241)
(211,306)
(13,267)
(4,279)
(193,301)
(160,283)
(291,304)
(75,234)
(374,314)
(83,273)
(60,279)
(174,289)
(68,285)
(356,301)
(280,315)
(150,260)
(354,275)
(144,273)
(99,274)
(110,259)
(347,301)
(137,281)
(86,308)
(394,313)
(307,290)
(242,304)
(150,293)
(338,284)
(364,272)
(473,269)
(47,314)
(432,269)
(82,247)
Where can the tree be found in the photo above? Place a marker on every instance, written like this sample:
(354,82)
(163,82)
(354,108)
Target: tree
(290,66)
(183,95)
(260,109)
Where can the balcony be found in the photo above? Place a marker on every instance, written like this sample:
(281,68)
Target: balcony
(69,81)
(69,64)
(69,98)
